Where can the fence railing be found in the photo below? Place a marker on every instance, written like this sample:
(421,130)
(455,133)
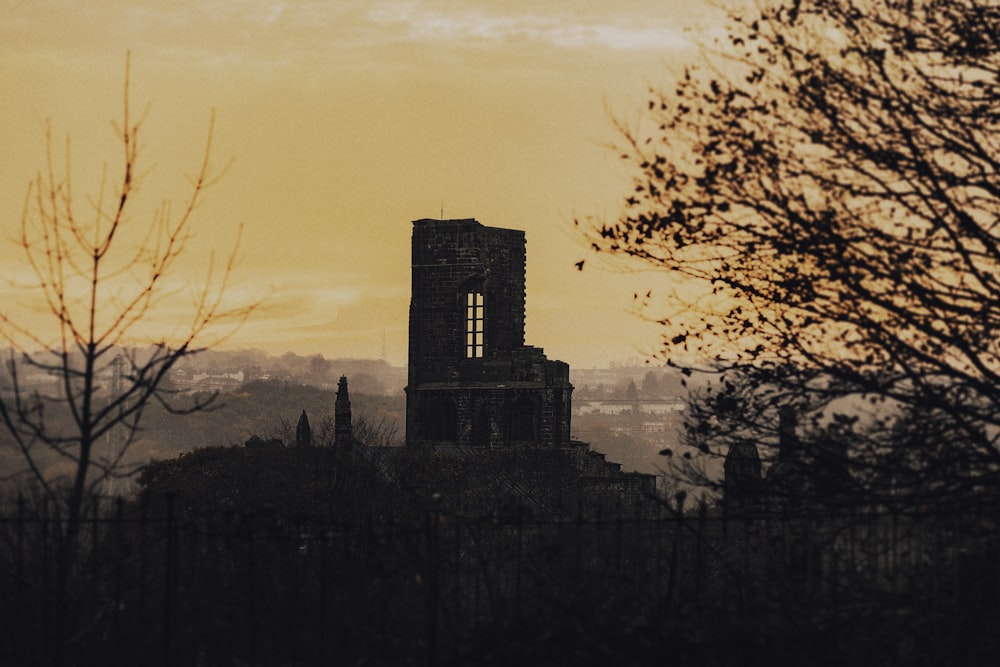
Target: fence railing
(154,584)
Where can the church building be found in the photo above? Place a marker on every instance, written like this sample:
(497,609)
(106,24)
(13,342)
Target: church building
(472,380)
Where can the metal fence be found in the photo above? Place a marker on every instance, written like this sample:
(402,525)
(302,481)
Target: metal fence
(154,584)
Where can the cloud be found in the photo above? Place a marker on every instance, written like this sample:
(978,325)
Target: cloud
(422,22)
(301,300)
(275,31)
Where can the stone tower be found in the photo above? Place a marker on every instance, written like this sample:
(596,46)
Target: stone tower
(472,380)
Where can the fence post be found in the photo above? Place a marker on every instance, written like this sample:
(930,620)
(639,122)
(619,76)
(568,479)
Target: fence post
(143,517)
(747,535)
(117,584)
(431,584)
(658,557)
(456,551)
(19,566)
(618,541)
(518,566)
(169,582)
(22,585)
(251,602)
(94,540)
(675,538)
(701,554)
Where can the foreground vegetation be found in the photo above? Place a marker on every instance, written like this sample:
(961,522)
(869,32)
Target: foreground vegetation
(316,556)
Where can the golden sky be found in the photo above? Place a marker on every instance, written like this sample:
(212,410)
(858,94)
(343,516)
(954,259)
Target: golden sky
(346,120)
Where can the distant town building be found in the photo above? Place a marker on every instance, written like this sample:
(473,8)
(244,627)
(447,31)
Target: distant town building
(800,478)
(742,486)
(621,406)
(209,381)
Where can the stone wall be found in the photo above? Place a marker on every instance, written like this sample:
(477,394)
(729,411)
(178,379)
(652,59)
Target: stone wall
(451,258)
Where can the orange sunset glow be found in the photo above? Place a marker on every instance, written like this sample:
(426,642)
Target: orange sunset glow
(345,121)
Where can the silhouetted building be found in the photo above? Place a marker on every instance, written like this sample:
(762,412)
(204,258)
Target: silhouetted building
(801,479)
(472,380)
(742,485)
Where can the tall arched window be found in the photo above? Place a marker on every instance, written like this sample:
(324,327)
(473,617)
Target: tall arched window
(475,325)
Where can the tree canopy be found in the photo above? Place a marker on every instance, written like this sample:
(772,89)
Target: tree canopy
(829,178)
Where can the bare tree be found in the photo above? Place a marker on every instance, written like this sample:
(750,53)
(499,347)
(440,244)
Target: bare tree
(100,275)
(829,185)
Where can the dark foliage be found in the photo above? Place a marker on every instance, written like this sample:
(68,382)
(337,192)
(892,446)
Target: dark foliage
(99,276)
(361,571)
(829,186)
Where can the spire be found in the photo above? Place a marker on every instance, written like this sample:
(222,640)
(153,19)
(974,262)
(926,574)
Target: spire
(343,433)
(303,432)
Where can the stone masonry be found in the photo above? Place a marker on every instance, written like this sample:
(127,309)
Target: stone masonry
(472,380)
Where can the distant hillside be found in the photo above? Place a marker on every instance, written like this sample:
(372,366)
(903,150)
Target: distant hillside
(273,390)
(266,408)
(367,376)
